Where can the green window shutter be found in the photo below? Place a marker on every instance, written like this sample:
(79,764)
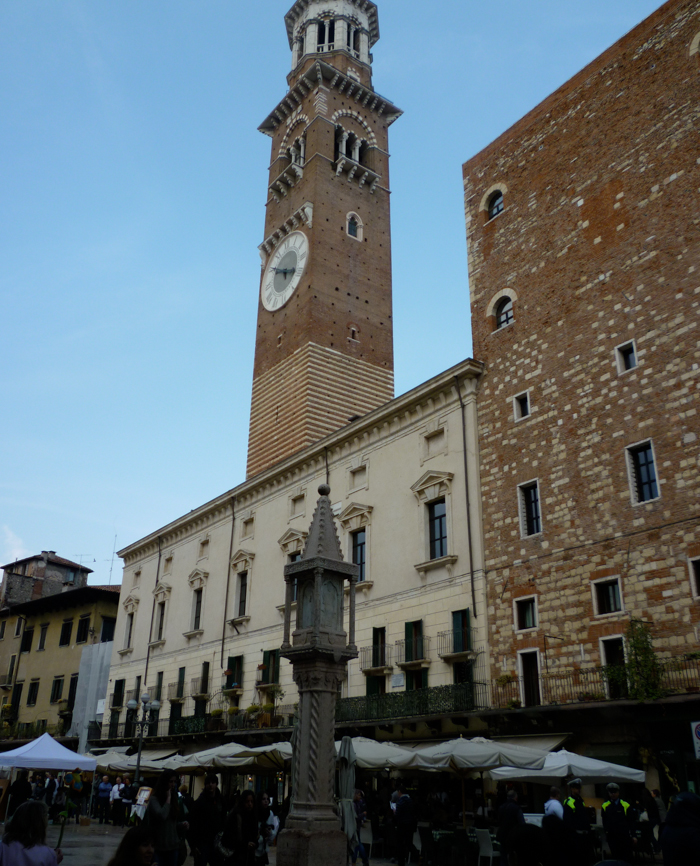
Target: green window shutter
(408,634)
(275,666)
(467,629)
(266,670)
(457,631)
(424,678)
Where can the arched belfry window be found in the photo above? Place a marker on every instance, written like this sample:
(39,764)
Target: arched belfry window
(495,204)
(354,226)
(326,36)
(504,312)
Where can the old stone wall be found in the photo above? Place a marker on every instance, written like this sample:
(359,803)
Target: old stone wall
(597,246)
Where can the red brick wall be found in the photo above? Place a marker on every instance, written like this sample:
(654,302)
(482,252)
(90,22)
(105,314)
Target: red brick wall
(599,241)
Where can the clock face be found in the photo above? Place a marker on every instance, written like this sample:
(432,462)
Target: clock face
(284,271)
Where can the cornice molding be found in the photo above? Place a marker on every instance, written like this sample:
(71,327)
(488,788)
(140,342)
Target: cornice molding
(437,394)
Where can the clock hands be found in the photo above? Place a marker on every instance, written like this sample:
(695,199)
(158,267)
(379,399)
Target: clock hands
(284,271)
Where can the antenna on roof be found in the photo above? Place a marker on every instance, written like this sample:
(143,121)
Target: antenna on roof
(111,564)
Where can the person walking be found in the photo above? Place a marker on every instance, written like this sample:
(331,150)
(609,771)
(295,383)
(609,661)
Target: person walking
(553,806)
(618,822)
(360,808)
(164,819)
(104,791)
(24,842)
(405,821)
(207,818)
(510,816)
(578,822)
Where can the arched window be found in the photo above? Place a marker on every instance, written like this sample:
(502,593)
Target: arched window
(504,312)
(352,227)
(495,204)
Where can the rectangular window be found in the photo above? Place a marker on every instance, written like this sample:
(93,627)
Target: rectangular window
(18,626)
(530,677)
(11,667)
(416,680)
(158,693)
(359,551)
(56,690)
(160,626)
(205,678)
(270,672)
(613,658)
(293,558)
(83,631)
(72,690)
(234,680)
(461,631)
(378,648)
(695,576)
(27,638)
(437,524)
(118,700)
(607,596)
(642,472)
(375,685)
(32,693)
(197,614)
(66,632)
(413,632)
(108,625)
(626,357)
(113,724)
(521,406)
(129,630)
(42,636)
(181,683)
(525,613)
(3,623)
(242,592)
(530,518)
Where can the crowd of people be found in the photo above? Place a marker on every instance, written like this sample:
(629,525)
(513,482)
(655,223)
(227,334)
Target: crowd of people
(238,830)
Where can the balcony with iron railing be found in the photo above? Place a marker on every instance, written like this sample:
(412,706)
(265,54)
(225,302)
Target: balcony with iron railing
(376,658)
(413,653)
(200,687)
(455,644)
(176,691)
(435,701)
(117,700)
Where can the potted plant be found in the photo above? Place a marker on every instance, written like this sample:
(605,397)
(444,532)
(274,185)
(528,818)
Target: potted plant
(268,708)
(505,679)
(253,709)
(514,704)
(217,713)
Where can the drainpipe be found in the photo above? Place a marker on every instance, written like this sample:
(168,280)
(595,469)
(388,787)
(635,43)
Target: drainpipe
(466,494)
(228,578)
(150,630)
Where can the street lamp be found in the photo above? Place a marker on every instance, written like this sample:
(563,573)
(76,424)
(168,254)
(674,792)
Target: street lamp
(149,709)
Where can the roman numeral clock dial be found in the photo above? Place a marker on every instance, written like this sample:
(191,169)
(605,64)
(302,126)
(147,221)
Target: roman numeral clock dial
(284,271)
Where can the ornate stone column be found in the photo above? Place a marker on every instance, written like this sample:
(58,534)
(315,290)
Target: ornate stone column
(319,652)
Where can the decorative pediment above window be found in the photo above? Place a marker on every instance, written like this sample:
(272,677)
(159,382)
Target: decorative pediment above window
(130,603)
(355,516)
(162,592)
(432,485)
(242,560)
(292,541)
(198,578)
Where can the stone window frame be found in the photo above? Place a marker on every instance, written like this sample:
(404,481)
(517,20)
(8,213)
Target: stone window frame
(522,508)
(519,669)
(485,203)
(506,292)
(168,563)
(619,357)
(360,236)
(294,496)
(432,430)
(351,470)
(203,547)
(601,653)
(247,525)
(432,486)
(242,564)
(353,518)
(694,575)
(197,580)
(594,595)
(161,595)
(517,407)
(516,601)
(136,579)
(632,475)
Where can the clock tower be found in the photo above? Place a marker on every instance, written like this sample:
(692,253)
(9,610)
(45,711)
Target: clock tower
(324,348)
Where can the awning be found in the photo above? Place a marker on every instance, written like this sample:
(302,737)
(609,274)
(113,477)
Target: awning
(156,754)
(543,742)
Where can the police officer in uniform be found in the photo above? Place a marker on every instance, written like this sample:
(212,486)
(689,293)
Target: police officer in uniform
(618,823)
(578,824)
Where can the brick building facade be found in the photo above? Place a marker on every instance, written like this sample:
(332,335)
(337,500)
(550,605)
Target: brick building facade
(584,264)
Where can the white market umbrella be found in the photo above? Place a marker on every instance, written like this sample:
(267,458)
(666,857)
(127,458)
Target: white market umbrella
(373,755)
(208,759)
(463,755)
(559,765)
(275,756)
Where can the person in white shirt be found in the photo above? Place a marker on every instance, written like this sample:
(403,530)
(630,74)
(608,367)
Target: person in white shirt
(553,806)
(116,801)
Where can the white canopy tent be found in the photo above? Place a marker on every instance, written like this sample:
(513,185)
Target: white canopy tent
(45,753)
(462,755)
(559,765)
(373,755)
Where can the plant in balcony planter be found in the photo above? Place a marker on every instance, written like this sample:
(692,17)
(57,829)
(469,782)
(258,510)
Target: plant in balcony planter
(233,710)
(514,704)
(268,708)
(253,709)
(217,713)
(505,679)
(228,672)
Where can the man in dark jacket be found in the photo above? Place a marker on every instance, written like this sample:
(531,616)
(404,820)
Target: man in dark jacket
(510,816)
(206,821)
(578,824)
(405,821)
(680,838)
(618,823)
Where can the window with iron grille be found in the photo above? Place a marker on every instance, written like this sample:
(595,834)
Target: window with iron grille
(66,632)
(504,312)
(530,517)
(437,525)
(642,469)
(359,542)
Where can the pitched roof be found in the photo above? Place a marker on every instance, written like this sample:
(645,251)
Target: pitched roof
(50,556)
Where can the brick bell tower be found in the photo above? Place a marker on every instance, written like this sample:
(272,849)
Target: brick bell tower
(324,347)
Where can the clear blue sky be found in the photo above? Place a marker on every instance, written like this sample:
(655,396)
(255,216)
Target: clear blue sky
(132,191)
